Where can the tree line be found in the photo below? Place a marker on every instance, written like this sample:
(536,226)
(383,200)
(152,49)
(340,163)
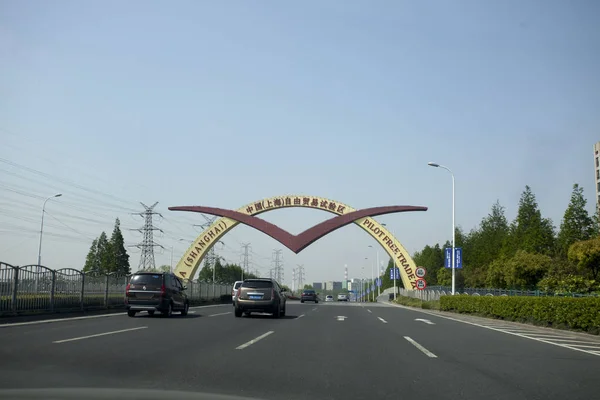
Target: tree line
(529,253)
(108,255)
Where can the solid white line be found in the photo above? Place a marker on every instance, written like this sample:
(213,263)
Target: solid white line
(369,310)
(428,322)
(300,316)
(99,334)
(243,346)
(499,330)
(418,346)
(382,320)
(48,321)
(314,309)
(223,313)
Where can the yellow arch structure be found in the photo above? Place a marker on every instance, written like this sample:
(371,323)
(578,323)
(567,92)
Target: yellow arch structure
(188,264)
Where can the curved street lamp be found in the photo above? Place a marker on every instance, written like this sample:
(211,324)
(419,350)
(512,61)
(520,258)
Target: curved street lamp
(42,228)
(436,165)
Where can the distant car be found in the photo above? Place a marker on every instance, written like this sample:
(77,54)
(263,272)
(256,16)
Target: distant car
(309,295)
(260,295)
(342,297)
(329,298)
(151,292)
(236,286)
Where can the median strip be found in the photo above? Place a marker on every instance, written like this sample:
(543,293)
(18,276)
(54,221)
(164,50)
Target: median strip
(418,346)
(250,343)
(99,334)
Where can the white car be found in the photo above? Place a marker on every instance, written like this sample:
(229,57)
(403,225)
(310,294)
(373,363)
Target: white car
(329,298)
(342,297)
(236,286)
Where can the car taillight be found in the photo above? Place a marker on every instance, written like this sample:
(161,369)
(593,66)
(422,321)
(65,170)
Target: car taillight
(163,290)
(127,289)
(239,292)
(272,293)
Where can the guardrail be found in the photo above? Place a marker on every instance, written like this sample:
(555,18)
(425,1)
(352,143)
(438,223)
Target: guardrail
(435,292)
(36,288)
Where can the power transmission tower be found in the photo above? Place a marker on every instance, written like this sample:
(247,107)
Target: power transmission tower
(278,267)
(301,276)
(246,258)
(293,280)
(211,257)
(147,245)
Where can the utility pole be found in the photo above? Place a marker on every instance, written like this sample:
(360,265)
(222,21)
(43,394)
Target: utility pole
(278,265)
(246,259)
(148,244)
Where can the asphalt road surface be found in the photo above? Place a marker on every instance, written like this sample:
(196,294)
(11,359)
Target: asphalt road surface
(318,351)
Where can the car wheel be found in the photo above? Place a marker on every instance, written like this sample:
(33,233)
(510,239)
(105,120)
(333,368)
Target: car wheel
(151,312)
(185,310)
(301,301)
(131,313)
(316,301)
(237,312)
(169,311)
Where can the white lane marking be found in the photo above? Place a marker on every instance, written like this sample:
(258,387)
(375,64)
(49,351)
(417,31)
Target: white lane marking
(243,346)
(341,317)
(428,322)
(48,321)
(501,330)
(223,313)
(418,346)
(100,334)
(314,309)
(382,320)
(369,310)
(300,316)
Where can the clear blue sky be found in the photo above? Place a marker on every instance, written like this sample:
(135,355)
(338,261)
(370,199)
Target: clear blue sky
(222,103)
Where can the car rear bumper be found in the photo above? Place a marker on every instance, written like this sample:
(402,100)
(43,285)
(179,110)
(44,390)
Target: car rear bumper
(308,298)
(147,305)
(256,306)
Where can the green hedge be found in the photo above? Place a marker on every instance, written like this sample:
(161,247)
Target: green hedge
(558,312)
(412,302)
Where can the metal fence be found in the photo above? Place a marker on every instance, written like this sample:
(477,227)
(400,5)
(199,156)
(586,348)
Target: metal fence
(35,288)
(435,292)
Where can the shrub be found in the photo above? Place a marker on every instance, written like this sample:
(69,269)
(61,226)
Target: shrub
(559,312)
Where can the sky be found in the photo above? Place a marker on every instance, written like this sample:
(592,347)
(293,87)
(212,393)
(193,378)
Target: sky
(223,103)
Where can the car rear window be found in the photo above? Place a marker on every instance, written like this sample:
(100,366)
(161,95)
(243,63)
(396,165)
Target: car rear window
(147,279)
(237,285)
(258,284)
(309,291)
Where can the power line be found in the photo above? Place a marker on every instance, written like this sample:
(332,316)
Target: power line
(147,245)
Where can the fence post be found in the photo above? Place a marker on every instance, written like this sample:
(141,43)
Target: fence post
(82,294)
(15,289)
(106,292)
(52,289)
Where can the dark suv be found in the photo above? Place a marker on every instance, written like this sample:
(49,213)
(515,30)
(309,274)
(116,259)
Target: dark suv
(309,295)
(163,292)
(260,295)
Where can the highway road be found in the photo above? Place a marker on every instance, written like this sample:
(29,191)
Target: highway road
(324,351)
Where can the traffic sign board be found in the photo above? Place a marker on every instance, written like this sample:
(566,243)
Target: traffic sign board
(397,271)
(421,284)
(420,272)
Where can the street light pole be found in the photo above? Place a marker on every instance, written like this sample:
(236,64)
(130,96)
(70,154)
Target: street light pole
(42,229)
(372,273)
(435,165)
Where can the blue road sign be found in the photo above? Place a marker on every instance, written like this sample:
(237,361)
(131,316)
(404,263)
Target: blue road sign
(397,271)
(372,288)
(378,282)
(458,255)
(448,257)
